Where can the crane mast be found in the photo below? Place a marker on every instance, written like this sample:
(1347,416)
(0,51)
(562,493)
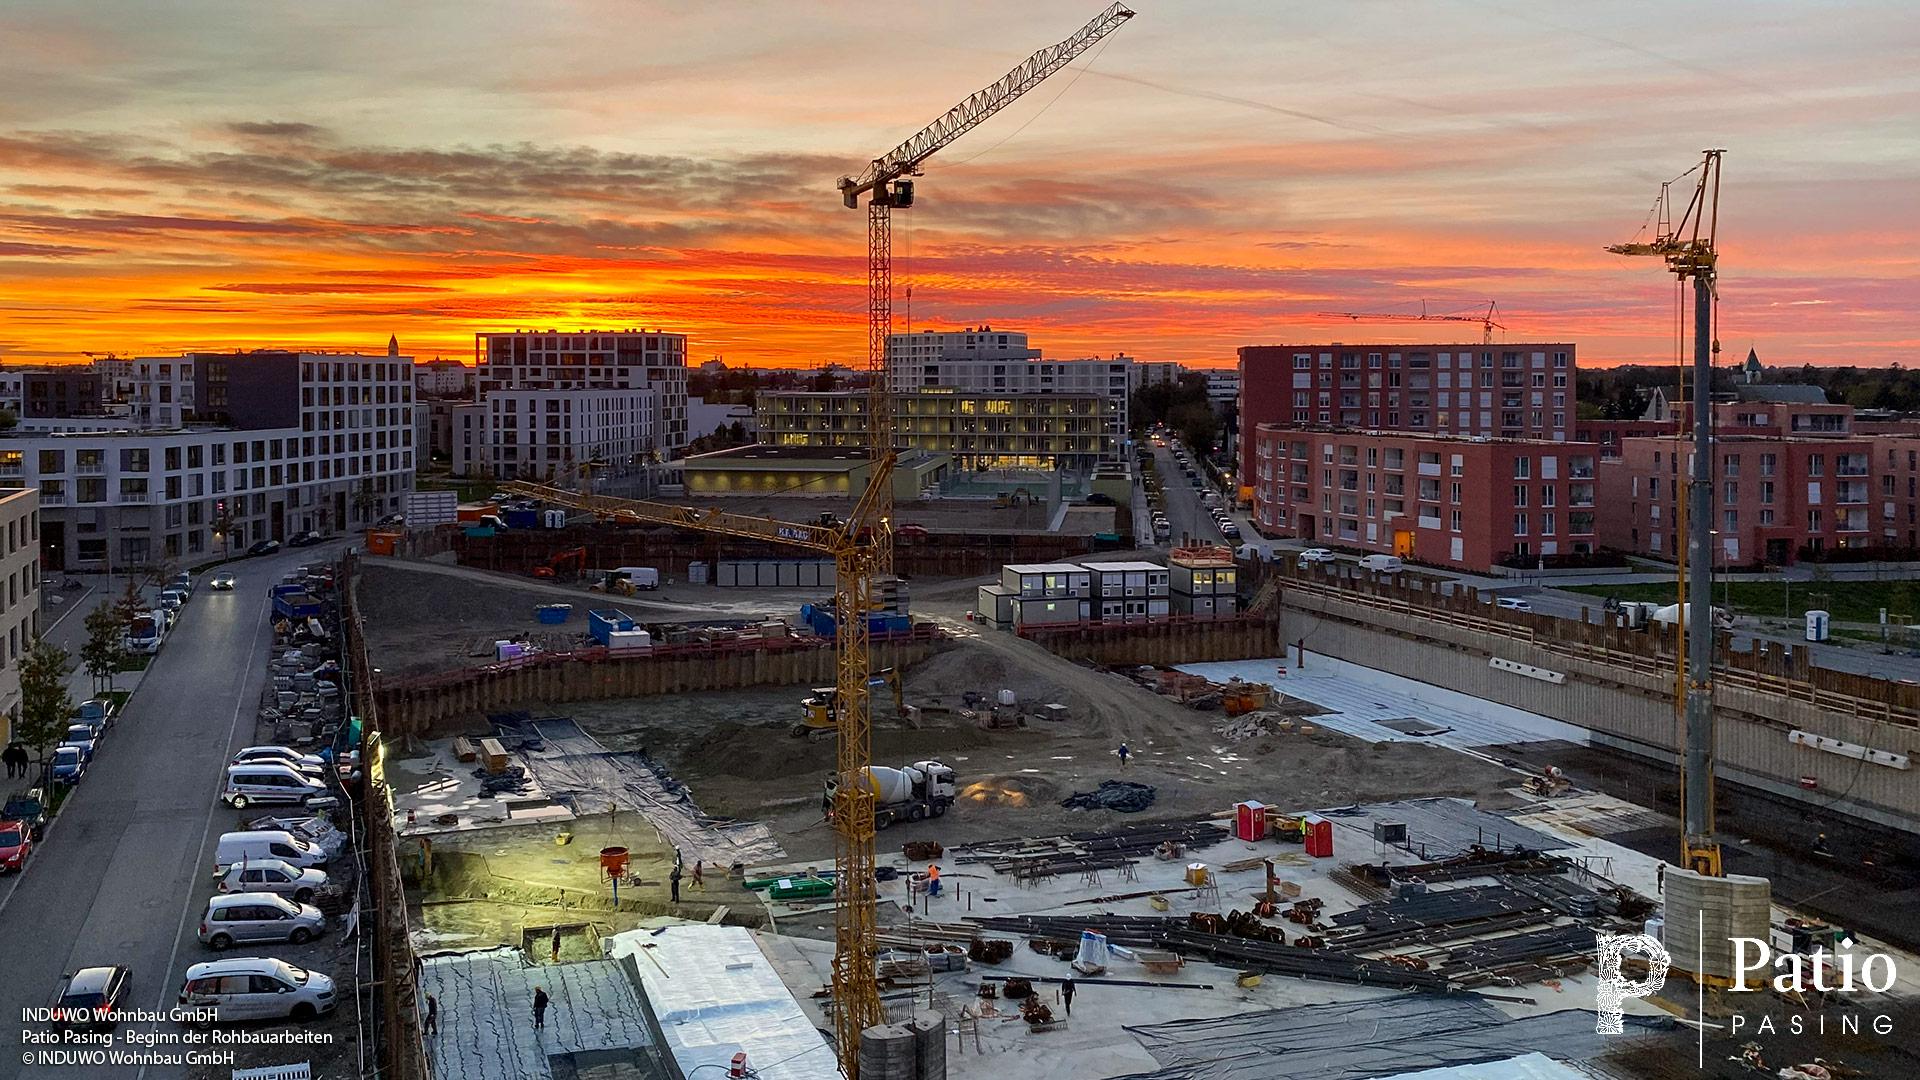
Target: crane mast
(1689,250)
(886,187)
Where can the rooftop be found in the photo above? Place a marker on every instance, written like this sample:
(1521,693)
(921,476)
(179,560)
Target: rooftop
(762,453)
(1423,436)
(1786,393)
(486,1000)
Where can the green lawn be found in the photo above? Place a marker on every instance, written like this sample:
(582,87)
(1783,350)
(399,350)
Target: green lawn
(1848,601)
(135,662)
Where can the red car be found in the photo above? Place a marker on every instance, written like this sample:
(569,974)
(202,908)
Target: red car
(16,843)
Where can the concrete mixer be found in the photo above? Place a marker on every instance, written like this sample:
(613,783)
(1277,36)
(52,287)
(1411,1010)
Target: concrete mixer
(918,791)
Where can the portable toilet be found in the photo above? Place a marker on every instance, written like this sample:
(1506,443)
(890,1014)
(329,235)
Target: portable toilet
(1319,836)
(1250,820)
(1818,625)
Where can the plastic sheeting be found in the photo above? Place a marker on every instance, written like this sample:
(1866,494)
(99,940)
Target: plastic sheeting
(1370,1039)
(1449,826)
(713,993)
(486,1014)
(1524,1067)
(571,764)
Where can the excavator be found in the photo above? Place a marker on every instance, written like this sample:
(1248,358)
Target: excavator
(817,719)
(570,561)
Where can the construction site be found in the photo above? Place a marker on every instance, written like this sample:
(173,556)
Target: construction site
(868,792)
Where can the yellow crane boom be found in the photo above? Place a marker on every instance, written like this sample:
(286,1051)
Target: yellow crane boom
(1486,321)
(852,544)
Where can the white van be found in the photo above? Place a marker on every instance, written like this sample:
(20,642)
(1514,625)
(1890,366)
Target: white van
(641,577)
(1382,564)
(269,782)
(261,845)
(257,988)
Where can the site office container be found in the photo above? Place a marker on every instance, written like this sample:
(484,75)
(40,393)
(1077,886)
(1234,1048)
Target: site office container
(1054,580)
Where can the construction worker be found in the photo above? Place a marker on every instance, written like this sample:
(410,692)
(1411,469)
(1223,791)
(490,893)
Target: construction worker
(1123,752)
(933,879)
(673,882)
(698,883)
(1066,993)
(1820,846)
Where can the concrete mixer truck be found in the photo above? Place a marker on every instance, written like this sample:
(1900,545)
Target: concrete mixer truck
(921,790)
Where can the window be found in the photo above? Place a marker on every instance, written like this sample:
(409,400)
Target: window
(1519,494)
(1730,492)
(1729,521)
(1813,521)
(1522,468)
(1519,524)
(1816,464)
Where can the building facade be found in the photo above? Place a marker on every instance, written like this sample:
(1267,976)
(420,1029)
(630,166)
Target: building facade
(593,360)
(19,595)
(907,352)
(442,379)
(1156,372)
(1466,503)
(987,362)
(1772,498)
(240,447)
(545,435)
(1517,391)
(979,431)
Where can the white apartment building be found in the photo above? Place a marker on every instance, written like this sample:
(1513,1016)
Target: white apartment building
(222,450)
(19,595)
(1156,372)
(439,378)
(593,360)
(543,434)
(988,362)
(116,377)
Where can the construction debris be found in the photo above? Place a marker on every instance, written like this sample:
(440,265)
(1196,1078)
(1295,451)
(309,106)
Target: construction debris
(1123,796)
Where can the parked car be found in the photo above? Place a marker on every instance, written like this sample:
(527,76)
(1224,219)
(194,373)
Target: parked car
(29,808)
(171,600)
(391,521)
(1316,555)
(80,736)
(305,539)
(221,583)
(93,714)
(264,547)
(1229,530)
(16,843)
(1512,603)
(1382,564)
(254,845)
(182,582)
(286,754)
(257,988)
(232,918)
(68,765)
(277,876)
(269,782)
(90,997)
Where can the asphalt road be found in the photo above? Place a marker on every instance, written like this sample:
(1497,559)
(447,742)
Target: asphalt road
(126,868)
(1184,510)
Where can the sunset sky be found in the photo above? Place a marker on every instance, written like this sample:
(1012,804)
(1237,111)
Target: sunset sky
(196,174)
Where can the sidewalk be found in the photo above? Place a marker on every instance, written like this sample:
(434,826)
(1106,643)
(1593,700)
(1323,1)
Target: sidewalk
(66,627)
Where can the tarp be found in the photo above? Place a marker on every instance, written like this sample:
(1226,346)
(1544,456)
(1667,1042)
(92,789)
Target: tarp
(1370,1039)
(486,1015)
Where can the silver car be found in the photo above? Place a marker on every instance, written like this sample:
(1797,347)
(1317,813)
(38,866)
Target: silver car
(277,876)
(235,917)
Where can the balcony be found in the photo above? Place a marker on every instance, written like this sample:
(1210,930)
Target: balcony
(1580,495)
(47,499)
(1850,494)
(1429,468)
(134,498)
(1429,522)
(11,468)
(91,468)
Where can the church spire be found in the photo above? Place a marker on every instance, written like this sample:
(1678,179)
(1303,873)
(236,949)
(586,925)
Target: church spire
(393,345)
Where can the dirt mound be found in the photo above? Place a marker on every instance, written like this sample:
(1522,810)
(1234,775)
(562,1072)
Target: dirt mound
(969,666)
(1016,791)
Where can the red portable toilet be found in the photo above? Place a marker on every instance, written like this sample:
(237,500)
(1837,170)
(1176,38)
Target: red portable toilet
(1250,820)
(1319,836)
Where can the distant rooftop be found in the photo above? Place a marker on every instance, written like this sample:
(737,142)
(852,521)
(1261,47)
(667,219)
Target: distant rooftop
(1782,393)
(767,454)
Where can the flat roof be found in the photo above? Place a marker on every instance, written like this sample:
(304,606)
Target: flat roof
(714,993)
(1045,568)
(763,453)
(486,999)
(1122,566)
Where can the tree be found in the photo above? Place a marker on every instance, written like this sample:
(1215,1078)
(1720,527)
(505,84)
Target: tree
(105,652)
(131,604)
(364,500)
(45,705)
(9,419)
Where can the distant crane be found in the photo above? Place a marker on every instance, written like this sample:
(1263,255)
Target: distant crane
(1688,246)
(885,185)
(1486,321)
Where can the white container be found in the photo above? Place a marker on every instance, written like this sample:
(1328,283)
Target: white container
(1007,697)
(629,640)
(1818,624)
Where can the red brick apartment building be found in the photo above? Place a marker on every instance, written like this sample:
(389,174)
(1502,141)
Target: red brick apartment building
(1516,391)
(1447,500)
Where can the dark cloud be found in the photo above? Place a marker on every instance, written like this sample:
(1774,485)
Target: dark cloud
(277,129)
(301,288)
(10,249)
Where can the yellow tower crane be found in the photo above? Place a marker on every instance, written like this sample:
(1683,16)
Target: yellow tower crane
(852,544)
(886,187)
(1689,250)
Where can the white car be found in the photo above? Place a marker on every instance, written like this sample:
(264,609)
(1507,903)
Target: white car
(277,876)
(1512,603)
(257,988)
(1315,555)
(287,754)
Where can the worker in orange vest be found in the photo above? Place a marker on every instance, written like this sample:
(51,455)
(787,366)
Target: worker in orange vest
(933,879)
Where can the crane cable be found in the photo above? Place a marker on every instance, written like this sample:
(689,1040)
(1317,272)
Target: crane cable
(1078,70)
